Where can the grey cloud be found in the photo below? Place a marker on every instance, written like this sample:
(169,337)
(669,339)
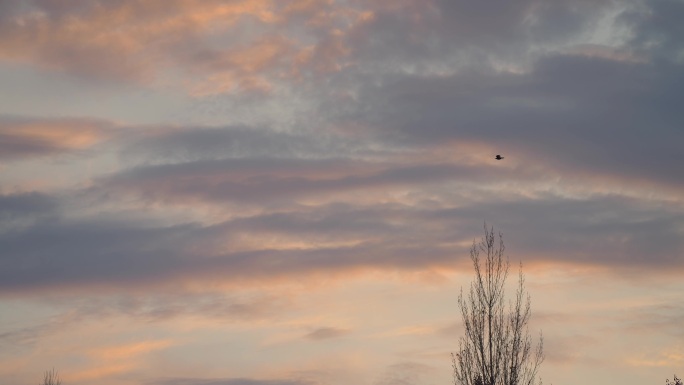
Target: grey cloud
(574,113)
(142,305)
(448,34)
(657,28)
(336,221)
(14,146)
(25,209)
(23,336)
(609,231)
(157,306)
(263,179)
(203,143)
(505,27)
(325,333)
(55,253)
(572,348)
(603,230)
(606,115)
(23,204)
(452,330)
(59,254)
(664,317)
(405,373)
(9,9)
(28,335)
(530,21)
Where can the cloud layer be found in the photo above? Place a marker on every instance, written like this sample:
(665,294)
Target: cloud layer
(316,142)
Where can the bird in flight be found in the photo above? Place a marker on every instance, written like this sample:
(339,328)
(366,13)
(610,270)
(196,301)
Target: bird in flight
(498,157)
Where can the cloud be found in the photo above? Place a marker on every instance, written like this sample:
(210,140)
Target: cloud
(325,333)
(125,40)
(152,42)
(116,360)
(177,145)
(242,68)
(264,179)
(572,349)
(24,336)
(351,137)
(601,231)
(599,110)
(656,29)
(25,209)
(228,381)
(669,358)
(26,204)
(666,317)
(22,138)
(613,230)
(156,306)
(572,113)
(310,205)
(34,333)
(80,253)
(127,351)
(405,373)
(54,252)
(403,168)
(94,254)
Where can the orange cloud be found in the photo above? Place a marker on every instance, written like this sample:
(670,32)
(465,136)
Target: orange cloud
(243,68)
(112,360)
(124,40)
(99,372)
(142,41)
(128,351)
(671,358)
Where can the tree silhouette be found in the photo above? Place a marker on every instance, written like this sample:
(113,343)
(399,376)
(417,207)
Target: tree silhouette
(496,348)
(676,381)
(51,378)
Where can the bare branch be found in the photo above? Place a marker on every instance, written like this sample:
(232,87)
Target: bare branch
(496,348)
(51,378)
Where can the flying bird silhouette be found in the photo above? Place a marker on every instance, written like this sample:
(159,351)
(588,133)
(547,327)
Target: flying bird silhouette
(498,157)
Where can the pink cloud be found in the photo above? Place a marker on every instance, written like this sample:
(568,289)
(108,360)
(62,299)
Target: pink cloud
(22,138)
(127,40)
(204,41)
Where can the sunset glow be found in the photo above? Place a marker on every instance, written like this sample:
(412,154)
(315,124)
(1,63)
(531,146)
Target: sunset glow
(262,192)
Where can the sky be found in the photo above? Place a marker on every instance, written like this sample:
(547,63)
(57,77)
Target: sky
(266,192)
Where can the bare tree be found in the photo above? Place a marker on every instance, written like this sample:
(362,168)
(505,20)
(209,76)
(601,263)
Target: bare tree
(676,381)
(51,378)
(496,348)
